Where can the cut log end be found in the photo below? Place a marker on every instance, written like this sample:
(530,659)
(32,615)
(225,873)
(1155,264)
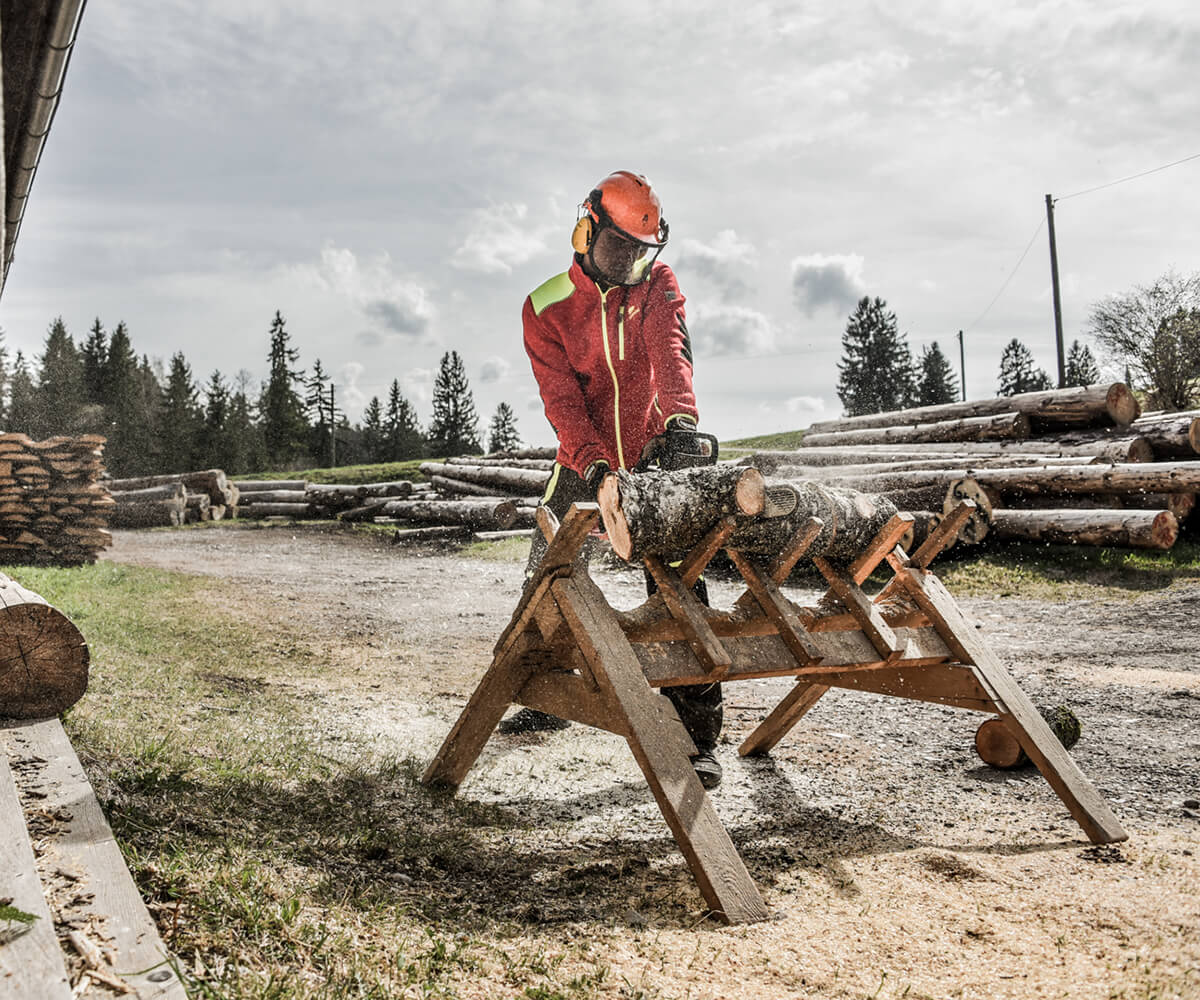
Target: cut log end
(615,523)
(751,492)
(1194,435)
(998,746)
(1122,404)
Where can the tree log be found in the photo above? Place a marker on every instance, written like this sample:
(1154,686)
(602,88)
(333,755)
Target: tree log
(664,513)
(833,473)
(1052,409)
(1109,448)
(994,427)
(43,657)
(1172,435)
(486,515)
(149,514)
(210,481)
(1139,529)
(256,498)
(502,479)
(266,485)
(998,747)
(301,510)
(458,488)
(924,521)
(168,491)
(545,464)
(1179,504)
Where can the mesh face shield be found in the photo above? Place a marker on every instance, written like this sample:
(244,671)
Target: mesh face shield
(621,260)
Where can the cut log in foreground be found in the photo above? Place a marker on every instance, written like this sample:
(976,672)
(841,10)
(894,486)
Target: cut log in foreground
(994,427)
(1084,406)
(43,657)
(667,513)
(998,747)
(1139,529)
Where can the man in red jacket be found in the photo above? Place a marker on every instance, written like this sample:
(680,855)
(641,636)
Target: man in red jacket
(610,350)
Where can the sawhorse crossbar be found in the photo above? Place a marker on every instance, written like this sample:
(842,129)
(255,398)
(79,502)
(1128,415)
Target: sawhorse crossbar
(568,652)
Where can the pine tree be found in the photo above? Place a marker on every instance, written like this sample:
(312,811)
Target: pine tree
(455,426)
(213,451)
(402,437)
(1018,372)
(147,417)
(318,402)
(284,426)
(95,355)
(119,380)
(59,384)
(502,432)
(22,397)
(247,445)
(372,430)
(1081,366)
(182,419)
(876,373)
(937,383)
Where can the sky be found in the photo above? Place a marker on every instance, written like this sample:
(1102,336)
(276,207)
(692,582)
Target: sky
(395,178)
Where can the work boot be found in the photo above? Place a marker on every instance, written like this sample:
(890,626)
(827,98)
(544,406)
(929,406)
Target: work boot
(530,720)
(707,768)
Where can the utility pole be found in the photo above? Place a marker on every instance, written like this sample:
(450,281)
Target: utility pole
(962,366)
(1058,335)
(332,429)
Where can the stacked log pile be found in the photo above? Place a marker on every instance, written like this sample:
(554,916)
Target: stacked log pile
(172,499)
(53,509)
(1082,465)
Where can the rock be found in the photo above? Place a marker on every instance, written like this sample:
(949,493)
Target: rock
(1191,803)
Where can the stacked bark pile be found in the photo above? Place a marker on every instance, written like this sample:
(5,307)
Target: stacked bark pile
(53,510)
(172,499)
(1082,465)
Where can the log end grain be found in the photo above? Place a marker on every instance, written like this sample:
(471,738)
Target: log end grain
(615,523)
(43,662)
(1122,404)
(997,746)
(751,492)
(1164,531)
(1194,434)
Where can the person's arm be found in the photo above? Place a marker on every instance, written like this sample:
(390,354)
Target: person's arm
(669,347)
(562,397)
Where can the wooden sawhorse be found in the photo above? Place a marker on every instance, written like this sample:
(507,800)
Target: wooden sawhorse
(568,652)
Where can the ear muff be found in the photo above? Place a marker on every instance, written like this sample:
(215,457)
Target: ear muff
(581,238)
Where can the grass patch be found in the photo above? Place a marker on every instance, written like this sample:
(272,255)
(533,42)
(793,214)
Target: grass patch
(515,549)
(1066,572)
(782,441)
(274,866)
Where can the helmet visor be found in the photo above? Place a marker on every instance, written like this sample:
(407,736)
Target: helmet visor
(620,260)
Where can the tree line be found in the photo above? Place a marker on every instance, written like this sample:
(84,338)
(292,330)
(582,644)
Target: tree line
(160,420)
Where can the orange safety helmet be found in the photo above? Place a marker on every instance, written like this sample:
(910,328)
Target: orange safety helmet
(625,205)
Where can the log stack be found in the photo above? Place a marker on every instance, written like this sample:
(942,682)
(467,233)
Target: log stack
(1090,470)
(53,509)
(153,501)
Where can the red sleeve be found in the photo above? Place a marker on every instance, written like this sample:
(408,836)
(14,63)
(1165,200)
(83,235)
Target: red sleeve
(669,345)
(561,396)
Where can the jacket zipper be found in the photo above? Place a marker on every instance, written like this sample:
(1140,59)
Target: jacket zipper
(621,335)
(613,372)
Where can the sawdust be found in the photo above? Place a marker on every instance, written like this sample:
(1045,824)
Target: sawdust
(895,864)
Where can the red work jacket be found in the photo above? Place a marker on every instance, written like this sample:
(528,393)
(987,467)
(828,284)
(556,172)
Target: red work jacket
(612,367)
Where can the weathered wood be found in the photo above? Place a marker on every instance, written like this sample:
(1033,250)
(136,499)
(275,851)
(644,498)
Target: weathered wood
(849,520)
(260,509)
(918,462)
(1082,406)
(1142,529)
(667,513)
(437,533)
(545,464)
(488,515)
(43,656)
(210,481)
(506,479)
(1172,435)
(994,427)
(252,498)
(84,844)
(997,746)
(1091,445)
(165,491)
(266,485)
(154,514)
(454,488)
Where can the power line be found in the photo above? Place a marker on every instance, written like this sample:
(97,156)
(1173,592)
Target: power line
(1011,274)
(1131,177)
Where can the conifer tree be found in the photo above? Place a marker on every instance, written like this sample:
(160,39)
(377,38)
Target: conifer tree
(937,382)
(372,430)
(502,432)
(247,445)
(182,419)
(21,397)
(1018,373)
(402,437)
(1081,366)
(318,402)
(119,379)
(95,355)
(876,372)
(4,381)
(284,426)
(455,426)
(59,384)
(213,451)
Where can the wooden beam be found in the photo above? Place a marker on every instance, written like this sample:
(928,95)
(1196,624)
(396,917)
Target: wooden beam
(778,609)
(686,609)
(865,562)
(794,706)
(693,564)
(859,605)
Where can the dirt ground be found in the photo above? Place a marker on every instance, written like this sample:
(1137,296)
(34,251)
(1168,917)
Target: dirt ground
(894,862)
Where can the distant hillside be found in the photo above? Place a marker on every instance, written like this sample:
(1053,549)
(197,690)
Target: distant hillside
(783,441)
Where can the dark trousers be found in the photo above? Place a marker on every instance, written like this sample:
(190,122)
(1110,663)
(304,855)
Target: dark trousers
(700,706)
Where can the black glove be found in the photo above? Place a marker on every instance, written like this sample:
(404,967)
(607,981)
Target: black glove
(594,475)
(680,446)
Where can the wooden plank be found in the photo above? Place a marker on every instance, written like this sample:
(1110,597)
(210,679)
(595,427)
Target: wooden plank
(569,696)
(778,609)
(31,964)
(1040,744)
(85,844)
(794,706)
(497,689)
(859,605)
(940,683)
(783,563)
(711,855)
(693,564)
(686,608)
(941,536)
(884,541)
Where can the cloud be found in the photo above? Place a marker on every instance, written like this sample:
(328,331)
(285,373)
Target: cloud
(721,262)
(499,239)
(395,305)
(809,406)
(351,398)
(416,384)
(827,281)
(732,330)
(493,369)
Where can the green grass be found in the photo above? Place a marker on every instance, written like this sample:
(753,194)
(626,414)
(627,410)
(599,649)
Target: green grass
(382,472)
(782,441)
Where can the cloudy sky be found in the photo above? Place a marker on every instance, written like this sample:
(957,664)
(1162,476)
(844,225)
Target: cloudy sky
(395,178)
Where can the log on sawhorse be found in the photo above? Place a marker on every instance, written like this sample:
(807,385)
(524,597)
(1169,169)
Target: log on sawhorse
(568,652)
